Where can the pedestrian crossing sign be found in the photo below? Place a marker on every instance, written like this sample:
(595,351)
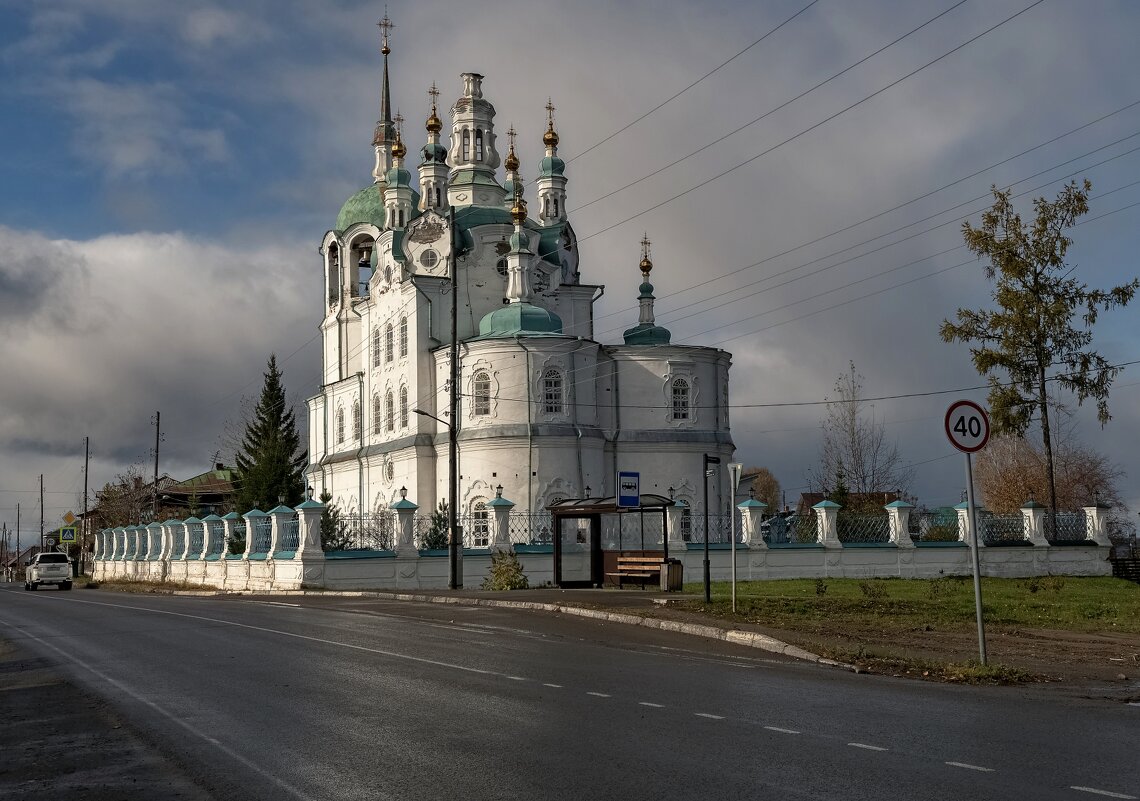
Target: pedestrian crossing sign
(67,534)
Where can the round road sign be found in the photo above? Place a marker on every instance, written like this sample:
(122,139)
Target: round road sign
(967,426)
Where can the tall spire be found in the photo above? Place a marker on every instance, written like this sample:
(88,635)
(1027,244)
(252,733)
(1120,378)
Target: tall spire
(385,136)
(433,164)
(551,182)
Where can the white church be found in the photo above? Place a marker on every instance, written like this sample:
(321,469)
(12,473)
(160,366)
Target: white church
(546,412)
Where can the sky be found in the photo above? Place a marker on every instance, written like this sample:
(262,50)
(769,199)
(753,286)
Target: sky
(168,171)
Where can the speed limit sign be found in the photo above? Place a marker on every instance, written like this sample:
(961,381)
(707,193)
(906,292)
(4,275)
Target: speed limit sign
(967,426)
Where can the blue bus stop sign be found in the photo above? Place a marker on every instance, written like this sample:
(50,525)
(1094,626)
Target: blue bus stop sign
(629,490)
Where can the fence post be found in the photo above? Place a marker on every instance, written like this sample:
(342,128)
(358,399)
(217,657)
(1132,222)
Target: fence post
(751,514)
(405,516)
(964,524)
(502,510)
(250,531)
(673,516)
(309,530)
(1096,524)
(1034,515)
(277,518)
(898,512)
(825,514)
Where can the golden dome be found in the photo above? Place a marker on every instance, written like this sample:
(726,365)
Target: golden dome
(550,138)
(434,124)
(646,265)
(512,161)
(399,151)
(518,211)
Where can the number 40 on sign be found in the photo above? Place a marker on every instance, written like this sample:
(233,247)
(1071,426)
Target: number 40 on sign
(967,426)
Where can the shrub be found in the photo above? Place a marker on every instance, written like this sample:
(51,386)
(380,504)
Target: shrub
(820,587)
(872,591)
(436,537)
(506,572)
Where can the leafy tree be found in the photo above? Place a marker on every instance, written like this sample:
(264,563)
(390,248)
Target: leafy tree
(1033,329)
(855,452)
(765,487)
(437,535)
(270,460)
(335,535)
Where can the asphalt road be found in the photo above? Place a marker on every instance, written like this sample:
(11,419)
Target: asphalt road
(349,698)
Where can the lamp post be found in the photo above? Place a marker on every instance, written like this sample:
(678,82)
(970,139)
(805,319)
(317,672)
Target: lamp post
(709,472)
(454,579)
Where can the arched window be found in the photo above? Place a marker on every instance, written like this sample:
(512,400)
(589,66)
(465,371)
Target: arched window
(389,412)
(388,343)
(552,392)
(377,416)
(340,426)
(466,144)
(334,273)
(401,213)
(480,525)
(482,390)
(376,346)
(687,524)
(403,407)
(555,207)
(356,420)
(403,337)
(478,145)
(680,399)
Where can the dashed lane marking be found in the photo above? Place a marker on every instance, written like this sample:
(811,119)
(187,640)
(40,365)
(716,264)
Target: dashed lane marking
(599,695)
(555,686)
(707,715)
(970,767)
(651,704)
(868,747)
(516,678)
(782,731)
(1101,792)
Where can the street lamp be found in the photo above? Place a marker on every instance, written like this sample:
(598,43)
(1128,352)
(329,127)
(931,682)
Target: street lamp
(709,460)
(454,578)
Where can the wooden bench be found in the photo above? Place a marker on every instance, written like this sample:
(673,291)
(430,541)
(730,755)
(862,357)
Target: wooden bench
(643,568)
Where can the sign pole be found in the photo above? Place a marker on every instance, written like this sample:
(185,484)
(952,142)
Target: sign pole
(734,471)
(972,516)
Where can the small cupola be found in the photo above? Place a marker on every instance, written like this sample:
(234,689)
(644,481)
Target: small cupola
(646,332)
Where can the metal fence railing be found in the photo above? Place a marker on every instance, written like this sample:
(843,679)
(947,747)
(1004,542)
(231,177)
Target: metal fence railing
(217,531)
(793,529)
(720,528)
(1002,529)
(195,533)
(934,526)
(262,534)
(290,537)
(1066,527)
(477,529)
(526,528)
(177,541)
(854,528)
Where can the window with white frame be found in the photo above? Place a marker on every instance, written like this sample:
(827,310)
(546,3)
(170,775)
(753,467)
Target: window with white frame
(403,336)
(481,388)
(552,392)
(376,346)
(403,407)
(377,416)
(340,426)
(478,145)
(681,409)
(687,524)
(389,411)
(356,420)
(388,343)
(466,144)
(480,525)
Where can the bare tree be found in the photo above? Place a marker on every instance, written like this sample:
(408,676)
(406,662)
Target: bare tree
(1012,470)
(856,454)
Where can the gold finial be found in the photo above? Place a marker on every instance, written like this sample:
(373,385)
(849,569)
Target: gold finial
(518,210)
(512,161)
(385,26)
(646,265)
(434,125)
(550,138)
(399,151)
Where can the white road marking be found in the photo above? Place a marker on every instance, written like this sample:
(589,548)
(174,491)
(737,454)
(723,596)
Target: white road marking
(173,718)
(516,678)
(970,767)
(598,695)
(707,715)
(782,731)
(1101,792)
(555,686)
(868,747)
(647,703)
(281,603)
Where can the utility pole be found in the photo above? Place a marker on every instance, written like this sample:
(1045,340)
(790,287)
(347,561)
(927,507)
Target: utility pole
(455,577)
(41,511)
(17,536)
(83,529)
(154,498)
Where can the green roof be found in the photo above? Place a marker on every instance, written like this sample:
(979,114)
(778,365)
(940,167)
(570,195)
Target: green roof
(366,206)
(519,318)
(647,334)
(552,165)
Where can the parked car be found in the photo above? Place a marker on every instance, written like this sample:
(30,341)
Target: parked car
(48,568)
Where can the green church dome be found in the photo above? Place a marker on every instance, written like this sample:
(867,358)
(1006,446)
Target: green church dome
(519,318)
(366,206)
(552,165)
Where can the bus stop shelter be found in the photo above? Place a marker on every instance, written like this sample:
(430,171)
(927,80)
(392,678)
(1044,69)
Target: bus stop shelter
(592,533)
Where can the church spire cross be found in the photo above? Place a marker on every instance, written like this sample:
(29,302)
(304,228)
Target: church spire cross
(385,25)
(434,94)
(549,113)
(646,264)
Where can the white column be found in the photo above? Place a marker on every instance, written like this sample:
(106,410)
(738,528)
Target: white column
(1096,524)
(825,514)
(277,518)
(899,514)
(751,516)
(501,507)
(309,535)
(1034,516)
(405,516)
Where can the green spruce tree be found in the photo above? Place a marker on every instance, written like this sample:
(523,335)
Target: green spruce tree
(270,461)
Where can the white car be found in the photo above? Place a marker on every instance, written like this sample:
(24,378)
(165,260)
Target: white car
(48,568)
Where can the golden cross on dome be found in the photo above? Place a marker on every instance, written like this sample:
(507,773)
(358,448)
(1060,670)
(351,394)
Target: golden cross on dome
(645,246)
(399,123)
(511,134)
(434,94)
(549,113)
(385,26)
